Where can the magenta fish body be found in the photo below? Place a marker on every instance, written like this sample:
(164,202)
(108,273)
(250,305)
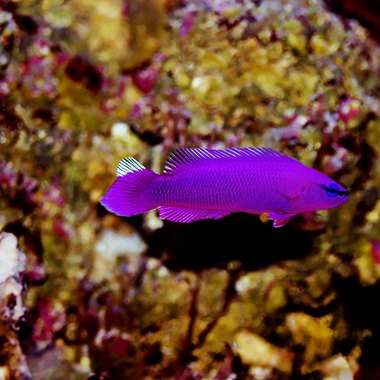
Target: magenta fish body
(205,183)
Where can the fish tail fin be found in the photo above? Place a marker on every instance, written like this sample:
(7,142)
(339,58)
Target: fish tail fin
(127,195)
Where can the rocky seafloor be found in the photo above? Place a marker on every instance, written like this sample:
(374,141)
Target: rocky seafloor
(88,295)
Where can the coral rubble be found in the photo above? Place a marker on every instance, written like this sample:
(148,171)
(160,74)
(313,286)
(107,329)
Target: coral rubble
(12,263)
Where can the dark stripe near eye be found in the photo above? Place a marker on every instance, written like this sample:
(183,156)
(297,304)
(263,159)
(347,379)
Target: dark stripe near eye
(334,190)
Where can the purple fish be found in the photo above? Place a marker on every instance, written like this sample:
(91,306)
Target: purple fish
(205,183)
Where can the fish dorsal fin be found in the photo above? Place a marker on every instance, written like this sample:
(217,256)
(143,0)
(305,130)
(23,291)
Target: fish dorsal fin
(185,158)
(128,165)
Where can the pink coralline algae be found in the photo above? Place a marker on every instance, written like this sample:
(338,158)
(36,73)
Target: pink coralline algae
(348,109)
(35,273)
(337,160)
(61,228)
(375,251)
(38,70)
(187,22)
(145,77)
(47,322)
(51,198)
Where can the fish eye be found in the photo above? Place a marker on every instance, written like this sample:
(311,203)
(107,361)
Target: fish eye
(332,190)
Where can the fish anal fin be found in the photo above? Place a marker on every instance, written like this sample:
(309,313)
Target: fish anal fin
(280,220)
(188,215)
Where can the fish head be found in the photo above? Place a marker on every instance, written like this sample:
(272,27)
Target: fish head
(322,193)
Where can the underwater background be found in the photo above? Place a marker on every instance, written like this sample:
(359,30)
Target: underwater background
(85,294)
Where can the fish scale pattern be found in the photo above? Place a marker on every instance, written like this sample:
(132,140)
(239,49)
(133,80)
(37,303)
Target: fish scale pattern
(216,187)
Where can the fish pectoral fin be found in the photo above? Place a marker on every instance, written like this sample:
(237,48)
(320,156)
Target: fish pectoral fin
(188,215)
(280,219)
(264,217)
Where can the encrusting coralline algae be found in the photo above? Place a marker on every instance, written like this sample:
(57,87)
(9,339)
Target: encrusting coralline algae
(84,84)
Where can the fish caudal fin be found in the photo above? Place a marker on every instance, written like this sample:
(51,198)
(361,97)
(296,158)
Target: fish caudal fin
(127,195)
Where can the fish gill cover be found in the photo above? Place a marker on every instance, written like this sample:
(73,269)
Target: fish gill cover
(84,84)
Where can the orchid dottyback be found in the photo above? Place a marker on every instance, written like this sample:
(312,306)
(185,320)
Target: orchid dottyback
(200,183)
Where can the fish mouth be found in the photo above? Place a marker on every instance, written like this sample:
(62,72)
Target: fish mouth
(342,199)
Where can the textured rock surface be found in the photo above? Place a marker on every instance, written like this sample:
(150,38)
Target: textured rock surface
(12,263)
(84,84)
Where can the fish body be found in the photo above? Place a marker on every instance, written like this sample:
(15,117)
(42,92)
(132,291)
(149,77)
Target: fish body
(205,183)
